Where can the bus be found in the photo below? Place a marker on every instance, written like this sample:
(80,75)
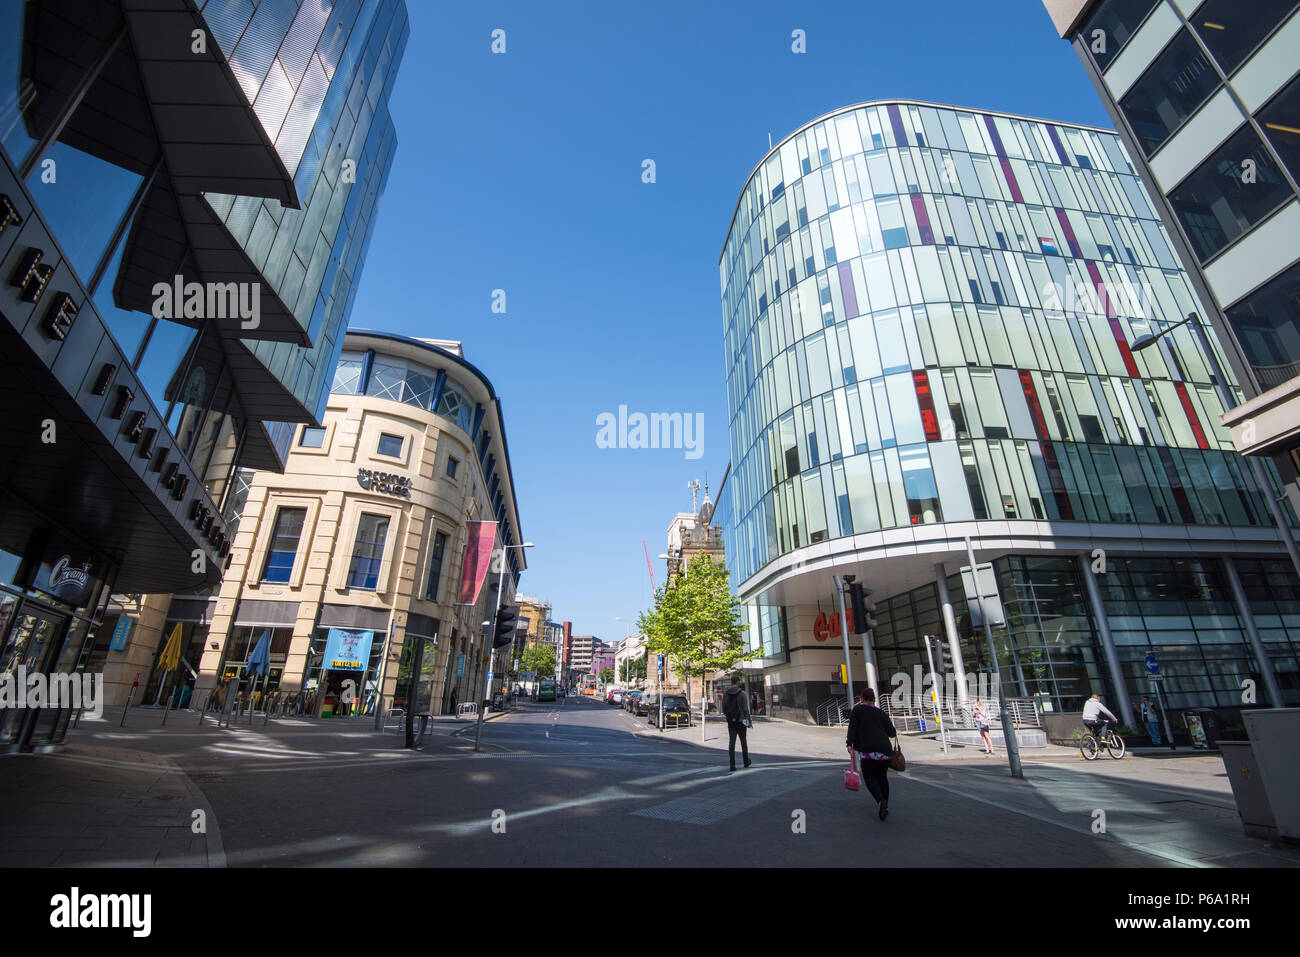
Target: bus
(546,689)
(590,684)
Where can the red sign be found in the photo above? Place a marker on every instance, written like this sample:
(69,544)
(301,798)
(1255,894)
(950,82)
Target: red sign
(824,627)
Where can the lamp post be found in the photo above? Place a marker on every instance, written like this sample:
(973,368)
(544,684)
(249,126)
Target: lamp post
(487,684)
(1261,479)
(1228,400)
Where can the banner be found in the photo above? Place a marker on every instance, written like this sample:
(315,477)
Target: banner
(478,553)
(348,650)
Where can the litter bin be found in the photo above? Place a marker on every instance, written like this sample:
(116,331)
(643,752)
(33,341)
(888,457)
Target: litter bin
(1248,789)
(1202,728)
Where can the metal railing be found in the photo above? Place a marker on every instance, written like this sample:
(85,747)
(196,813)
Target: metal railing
(832,711)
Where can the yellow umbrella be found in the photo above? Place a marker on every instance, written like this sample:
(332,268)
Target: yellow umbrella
(171,656)
(168,660)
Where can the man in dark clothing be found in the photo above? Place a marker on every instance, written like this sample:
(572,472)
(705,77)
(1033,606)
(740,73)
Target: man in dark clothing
(869,732)
(735,705)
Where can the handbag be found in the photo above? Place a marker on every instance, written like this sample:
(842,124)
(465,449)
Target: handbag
(852,780)
(898,762)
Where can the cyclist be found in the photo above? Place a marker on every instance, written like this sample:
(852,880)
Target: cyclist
(1093,709)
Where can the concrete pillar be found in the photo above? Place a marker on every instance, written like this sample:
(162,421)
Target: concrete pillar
(954,641)
(1252,633)
(1123,707)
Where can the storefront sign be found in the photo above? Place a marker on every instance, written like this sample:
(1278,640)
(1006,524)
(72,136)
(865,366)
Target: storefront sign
(824,627)
(387,482)
(70,582)
(348,650)
(121,634)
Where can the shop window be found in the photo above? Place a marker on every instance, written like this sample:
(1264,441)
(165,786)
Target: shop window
(284,544)
(368,552)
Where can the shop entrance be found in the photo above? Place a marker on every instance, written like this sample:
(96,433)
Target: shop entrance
(343,694)
(32,637)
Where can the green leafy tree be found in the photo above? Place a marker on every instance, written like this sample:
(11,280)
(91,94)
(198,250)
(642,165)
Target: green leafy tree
(606,675)
(540,658)
(696,622)
(631,670)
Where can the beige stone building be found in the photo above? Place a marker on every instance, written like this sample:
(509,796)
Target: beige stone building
(361,540)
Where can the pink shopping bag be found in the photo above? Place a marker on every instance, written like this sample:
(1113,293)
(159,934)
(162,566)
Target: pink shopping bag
(852,780)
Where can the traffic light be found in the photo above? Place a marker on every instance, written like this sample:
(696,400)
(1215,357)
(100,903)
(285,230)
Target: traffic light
(505,630)
(862,609)
(945,663)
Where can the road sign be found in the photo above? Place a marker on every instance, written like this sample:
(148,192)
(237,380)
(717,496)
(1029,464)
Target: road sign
(1153,666)
(1157,677)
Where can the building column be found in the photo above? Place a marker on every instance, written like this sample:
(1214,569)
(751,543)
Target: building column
(1252,633)
(1123,707)
(954,641)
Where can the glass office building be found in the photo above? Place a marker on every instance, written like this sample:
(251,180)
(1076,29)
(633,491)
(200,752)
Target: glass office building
(929,315)
(186,195)
(1205,95)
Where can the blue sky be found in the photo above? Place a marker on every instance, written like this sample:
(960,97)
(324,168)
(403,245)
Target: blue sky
(522,172)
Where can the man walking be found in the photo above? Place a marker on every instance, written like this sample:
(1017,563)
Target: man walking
(1151,720)
(735,705)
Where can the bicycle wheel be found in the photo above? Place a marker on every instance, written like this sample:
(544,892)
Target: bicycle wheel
(1088,747)
(1115,746)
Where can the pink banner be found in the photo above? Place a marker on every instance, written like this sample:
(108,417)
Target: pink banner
(478,555)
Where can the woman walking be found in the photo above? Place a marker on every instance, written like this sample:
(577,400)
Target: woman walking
(869,732)
(981,719)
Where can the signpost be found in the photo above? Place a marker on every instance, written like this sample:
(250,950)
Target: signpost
(1157,679)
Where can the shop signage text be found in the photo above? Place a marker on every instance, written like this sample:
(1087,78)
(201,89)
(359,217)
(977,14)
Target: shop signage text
(386,482)
(824,627)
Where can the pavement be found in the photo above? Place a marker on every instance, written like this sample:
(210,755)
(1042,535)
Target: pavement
(579,782)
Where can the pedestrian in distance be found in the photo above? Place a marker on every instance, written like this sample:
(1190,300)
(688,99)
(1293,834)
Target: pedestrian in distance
(735,706)
(1151,719)
(981,718)
(869,732)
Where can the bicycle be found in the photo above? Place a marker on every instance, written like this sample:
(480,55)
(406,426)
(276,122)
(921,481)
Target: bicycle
(1090,745)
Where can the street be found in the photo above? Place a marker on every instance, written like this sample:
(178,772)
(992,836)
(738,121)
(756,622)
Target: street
(578,782)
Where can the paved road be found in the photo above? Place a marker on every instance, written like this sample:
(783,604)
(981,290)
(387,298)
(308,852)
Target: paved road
(579,782)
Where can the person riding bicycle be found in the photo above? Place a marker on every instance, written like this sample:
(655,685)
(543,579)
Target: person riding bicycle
(1093,709)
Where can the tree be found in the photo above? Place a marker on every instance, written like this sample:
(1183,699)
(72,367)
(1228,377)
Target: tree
(631,670)
(696,621)
(540,658)
(606,675)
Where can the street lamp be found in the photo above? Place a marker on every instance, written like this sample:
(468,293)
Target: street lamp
(487,686)
(1228,400)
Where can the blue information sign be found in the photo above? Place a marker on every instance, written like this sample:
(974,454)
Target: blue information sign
(1153,666)
(121,634)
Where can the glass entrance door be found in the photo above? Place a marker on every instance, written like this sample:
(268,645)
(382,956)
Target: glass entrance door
(27,645)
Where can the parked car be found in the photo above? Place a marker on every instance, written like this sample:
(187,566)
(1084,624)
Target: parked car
(630,699)
(676,711)
(640,703)
(609,695)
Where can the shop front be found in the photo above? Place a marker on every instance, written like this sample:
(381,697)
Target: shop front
(50,601)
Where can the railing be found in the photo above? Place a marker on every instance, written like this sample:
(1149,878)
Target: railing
(833,711)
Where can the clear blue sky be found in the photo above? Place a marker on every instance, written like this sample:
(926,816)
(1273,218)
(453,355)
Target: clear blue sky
(522,172)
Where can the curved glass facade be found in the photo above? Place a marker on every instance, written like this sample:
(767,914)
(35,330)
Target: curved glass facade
(928,314)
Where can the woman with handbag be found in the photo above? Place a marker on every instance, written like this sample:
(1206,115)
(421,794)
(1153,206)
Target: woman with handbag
(869,732)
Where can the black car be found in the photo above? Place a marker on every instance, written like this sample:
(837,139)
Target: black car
(630,698)
(640,703)
(676,711)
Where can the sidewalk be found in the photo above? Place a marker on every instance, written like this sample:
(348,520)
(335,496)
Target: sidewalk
(96,806)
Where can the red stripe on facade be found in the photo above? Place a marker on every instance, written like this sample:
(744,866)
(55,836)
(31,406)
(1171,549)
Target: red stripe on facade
(925,398)
(1049,454)
(1186,400)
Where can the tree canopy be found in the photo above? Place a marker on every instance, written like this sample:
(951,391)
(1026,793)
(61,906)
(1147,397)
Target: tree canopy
(696,620)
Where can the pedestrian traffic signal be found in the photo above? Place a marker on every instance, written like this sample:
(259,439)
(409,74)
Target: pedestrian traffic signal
(505,627)
(945,662)
(862,609)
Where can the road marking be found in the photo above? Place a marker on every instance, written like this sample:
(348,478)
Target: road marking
(1086,832)
(721,802)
